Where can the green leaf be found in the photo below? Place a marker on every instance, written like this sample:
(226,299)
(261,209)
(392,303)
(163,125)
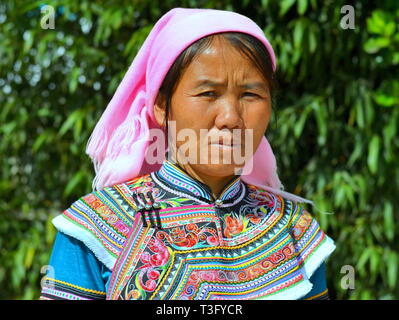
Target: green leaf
(387,94)
(313,3)
(50,230)
(28,37)
(30,254)
(373,45)
(385,100)
(389,29)
(70,122)
(375,260)
(376,23)
(321,119)
(392,269)
(374,149)
(312,40)
(78,127)
(73,81)
(117,19)
(42,139)
(360,113)
(349,194)
(389,221)
(285,5)
(357,151)
(265,3)
(299,29)
(76,179)
(389,134)
(302,6)
(298,128)
(8,128)
(364,258)
(339,197)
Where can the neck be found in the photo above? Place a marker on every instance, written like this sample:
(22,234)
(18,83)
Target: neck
(216,184)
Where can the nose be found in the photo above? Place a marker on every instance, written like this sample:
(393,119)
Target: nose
(228,114)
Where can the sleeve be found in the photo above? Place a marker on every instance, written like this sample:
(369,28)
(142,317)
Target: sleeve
(319,290)
(74,273)
(313,247)
(100,220)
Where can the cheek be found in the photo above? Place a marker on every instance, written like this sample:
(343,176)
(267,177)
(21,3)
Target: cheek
(190,113)
(190,116)
(257,117)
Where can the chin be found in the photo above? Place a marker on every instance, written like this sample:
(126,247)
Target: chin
(218,170)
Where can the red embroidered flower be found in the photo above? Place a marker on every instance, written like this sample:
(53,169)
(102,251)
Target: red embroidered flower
(189,241)
(161,254)
(208,275)
(212,240)
(158,259)
(255,219)
(177,234)
(233,226)
(153,274)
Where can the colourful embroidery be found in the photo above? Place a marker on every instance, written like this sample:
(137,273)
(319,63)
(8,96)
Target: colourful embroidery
(190,235)
(60,290)
(251,244)
(235,224)
(151,267)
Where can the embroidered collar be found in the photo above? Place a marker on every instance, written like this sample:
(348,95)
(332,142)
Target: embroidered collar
(176,177)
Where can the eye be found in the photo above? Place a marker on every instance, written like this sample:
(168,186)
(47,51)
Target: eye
(250,94)
(209,94)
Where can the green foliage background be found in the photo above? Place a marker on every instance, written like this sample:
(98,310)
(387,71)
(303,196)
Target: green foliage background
(335,130)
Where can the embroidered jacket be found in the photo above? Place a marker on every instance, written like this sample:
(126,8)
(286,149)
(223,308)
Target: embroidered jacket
(164,236)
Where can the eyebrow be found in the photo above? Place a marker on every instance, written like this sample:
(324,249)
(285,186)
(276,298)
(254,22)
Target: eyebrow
(210,83)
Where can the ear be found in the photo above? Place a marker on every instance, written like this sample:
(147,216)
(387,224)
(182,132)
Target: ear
(159,112)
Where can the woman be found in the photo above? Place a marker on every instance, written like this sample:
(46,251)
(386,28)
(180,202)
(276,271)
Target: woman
(199,219)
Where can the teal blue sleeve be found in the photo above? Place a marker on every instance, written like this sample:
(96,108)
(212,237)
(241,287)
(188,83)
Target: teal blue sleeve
(318,279)
(74,273)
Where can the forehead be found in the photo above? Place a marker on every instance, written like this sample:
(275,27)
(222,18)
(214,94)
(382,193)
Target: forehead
(219,58)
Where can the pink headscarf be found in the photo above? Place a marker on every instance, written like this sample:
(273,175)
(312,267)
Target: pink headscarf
(119,142)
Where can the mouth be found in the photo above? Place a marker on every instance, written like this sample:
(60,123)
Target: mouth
(227,143)
(226,146)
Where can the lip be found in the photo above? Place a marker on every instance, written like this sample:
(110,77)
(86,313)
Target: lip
(220,145)
(222,142)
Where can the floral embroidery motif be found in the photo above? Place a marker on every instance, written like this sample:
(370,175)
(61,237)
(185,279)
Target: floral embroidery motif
(262,247)
(234,224)
(106,213)
(153,263)
(242,249)
(233,278)
(191,235)
(302,224)
(145,184)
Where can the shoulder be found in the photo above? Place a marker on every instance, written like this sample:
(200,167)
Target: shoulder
(102,219)
(311,244)
(274,202)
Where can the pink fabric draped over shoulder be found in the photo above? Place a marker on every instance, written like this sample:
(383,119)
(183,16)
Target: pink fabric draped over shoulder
(120,140)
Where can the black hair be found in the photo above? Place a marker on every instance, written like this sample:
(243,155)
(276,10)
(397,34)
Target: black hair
(252,47)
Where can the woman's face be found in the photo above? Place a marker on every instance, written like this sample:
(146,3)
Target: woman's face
(220,92)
